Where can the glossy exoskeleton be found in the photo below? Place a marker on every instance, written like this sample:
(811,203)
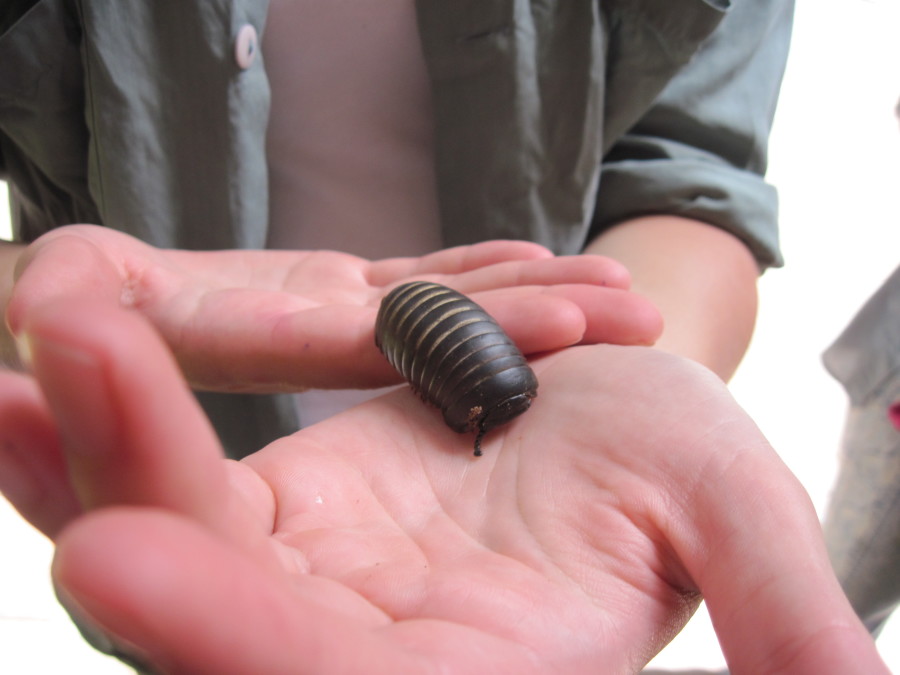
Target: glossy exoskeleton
(455,356)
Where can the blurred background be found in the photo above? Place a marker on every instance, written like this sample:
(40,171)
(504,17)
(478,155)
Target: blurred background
(835,157)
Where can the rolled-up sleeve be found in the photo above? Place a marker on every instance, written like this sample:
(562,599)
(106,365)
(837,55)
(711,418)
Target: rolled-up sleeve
(701,150)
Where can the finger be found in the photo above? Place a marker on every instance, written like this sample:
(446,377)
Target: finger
(62,266)
(333,347)
(455,260)
(132,431)
(604,316)
(579,269)
(761,564)
(33,474)
(187,602)
(498,264)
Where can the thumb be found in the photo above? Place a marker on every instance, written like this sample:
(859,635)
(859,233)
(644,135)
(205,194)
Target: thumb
(175,596)
(760,562)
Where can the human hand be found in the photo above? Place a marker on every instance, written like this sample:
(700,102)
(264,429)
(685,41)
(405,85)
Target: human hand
(374,542)
(285,320)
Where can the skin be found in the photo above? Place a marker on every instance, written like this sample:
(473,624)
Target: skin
(702,279)
(283,321)
(566,548)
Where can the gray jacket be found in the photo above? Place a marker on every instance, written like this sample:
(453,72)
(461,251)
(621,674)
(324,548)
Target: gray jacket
(555,119)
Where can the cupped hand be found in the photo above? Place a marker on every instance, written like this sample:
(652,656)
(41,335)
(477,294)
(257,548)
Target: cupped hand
(288,320)
(375,542)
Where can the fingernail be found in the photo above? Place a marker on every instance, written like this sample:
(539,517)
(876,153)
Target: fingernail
(74,383)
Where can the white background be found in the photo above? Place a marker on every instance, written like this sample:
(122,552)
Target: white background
(835,157)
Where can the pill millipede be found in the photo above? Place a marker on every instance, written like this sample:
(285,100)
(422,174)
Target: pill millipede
(455,356)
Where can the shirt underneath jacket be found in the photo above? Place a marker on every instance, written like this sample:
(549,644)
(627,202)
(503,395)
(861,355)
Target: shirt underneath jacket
(552,121)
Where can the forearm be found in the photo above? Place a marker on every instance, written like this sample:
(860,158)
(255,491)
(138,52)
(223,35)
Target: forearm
(9,254)
(701,278)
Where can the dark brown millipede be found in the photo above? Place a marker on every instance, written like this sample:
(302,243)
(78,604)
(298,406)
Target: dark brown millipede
(455,356)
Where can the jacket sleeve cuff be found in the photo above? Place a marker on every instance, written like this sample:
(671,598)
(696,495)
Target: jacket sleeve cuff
(740,202)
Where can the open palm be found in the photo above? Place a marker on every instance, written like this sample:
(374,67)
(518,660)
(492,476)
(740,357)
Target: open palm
(375,541)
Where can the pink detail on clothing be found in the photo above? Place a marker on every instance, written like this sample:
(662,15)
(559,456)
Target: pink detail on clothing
(894,415)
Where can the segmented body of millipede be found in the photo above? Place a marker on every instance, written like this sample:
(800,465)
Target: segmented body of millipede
(455,356)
